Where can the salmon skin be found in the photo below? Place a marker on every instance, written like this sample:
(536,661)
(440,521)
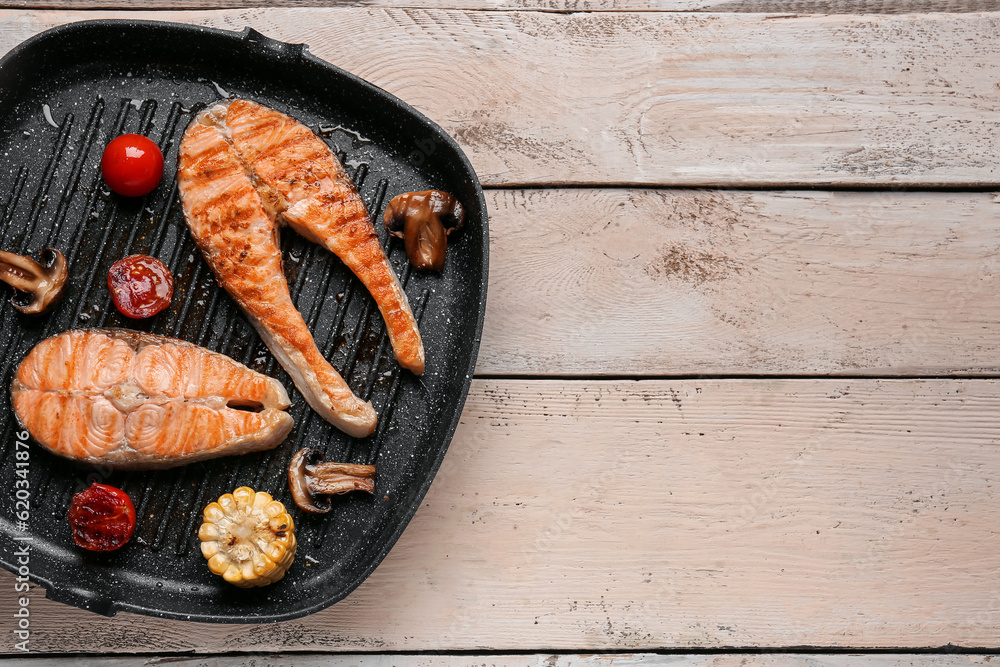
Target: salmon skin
(243,170)
(132,400)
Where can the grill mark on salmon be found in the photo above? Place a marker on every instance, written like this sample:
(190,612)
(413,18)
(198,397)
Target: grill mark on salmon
(233,219)
(132,400)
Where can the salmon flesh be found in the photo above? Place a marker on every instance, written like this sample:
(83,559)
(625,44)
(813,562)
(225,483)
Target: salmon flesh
(243,170)
(132,400)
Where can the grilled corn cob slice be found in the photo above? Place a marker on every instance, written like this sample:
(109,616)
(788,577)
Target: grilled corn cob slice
(248,538)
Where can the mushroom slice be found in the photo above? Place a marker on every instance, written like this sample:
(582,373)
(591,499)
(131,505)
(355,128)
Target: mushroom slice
(40,285)
(424,220)
(312,481)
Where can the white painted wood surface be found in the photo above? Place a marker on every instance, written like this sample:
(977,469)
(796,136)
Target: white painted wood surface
(666,98)
(774,6)
(684,282)
(585,515)
(536,660)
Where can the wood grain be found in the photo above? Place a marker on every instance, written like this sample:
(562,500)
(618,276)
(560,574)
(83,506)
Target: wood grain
(688,282)
(629,516)
(774,6)
(708,99)
(536,660)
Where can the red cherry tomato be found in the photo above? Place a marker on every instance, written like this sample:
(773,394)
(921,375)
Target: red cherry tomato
(141,286)
(102,518)
(132,165)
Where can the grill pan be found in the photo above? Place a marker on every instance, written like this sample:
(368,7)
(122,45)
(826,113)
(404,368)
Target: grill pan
(63,95)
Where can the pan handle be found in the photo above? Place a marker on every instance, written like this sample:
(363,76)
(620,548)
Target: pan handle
(283,51)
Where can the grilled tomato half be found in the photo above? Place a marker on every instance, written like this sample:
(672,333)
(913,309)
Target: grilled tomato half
(102,518)
(141,286)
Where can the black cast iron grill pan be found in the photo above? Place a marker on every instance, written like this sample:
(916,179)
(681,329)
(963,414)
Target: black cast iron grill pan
(63,95)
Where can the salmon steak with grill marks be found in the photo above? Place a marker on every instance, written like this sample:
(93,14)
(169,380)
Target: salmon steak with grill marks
(132,400)
(243,171)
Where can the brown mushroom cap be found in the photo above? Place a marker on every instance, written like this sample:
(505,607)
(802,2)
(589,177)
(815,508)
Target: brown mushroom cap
(39,286)
(424,220)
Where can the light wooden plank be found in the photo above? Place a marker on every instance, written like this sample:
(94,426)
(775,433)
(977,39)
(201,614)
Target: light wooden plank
(686,282)
(847,6)
(666,98)
(628,516)
(537,660)
(774,6)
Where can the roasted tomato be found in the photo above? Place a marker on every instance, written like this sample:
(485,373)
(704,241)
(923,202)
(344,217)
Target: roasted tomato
(132,165)
(102,518)
(140,285)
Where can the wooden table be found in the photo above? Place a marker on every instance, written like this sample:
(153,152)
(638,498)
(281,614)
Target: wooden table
(737,389)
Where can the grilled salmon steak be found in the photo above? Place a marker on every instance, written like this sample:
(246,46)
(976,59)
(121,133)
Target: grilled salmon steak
(243,170)
(132,400)
(318,200)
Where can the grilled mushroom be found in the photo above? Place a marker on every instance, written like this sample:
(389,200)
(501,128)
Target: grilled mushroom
(40,286)
(309,479)
(424,220)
